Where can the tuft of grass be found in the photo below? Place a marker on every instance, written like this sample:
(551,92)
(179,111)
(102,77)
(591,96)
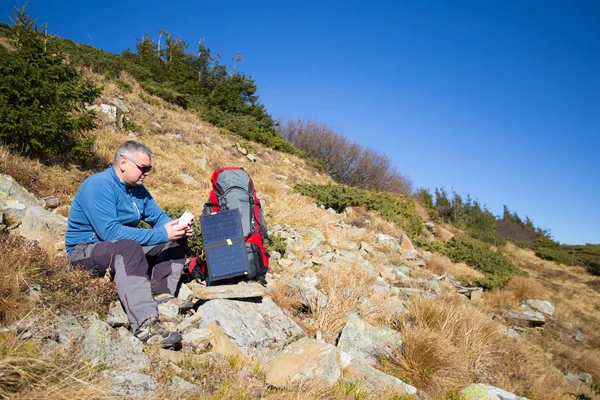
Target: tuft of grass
(464,339)
(23,264)
(525,288)
(344,285)
(28,372)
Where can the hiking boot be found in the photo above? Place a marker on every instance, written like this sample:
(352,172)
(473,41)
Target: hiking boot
(167,298)
(153,333)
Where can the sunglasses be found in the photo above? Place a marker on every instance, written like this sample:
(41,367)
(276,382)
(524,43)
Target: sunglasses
(144,168)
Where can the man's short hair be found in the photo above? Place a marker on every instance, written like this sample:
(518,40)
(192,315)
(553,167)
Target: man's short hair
(130,148)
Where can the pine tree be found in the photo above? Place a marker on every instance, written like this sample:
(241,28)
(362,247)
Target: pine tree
(41,97)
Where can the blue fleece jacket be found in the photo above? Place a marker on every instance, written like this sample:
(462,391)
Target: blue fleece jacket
(104,209)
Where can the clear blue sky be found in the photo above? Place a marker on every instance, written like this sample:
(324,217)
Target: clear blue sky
(496,99)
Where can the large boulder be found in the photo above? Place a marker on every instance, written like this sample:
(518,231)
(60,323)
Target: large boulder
(123,352)
(258,327)
(543,306)
(366,343)
(481,391)
(46,227)
(526,315)
(15,199)
(304,360)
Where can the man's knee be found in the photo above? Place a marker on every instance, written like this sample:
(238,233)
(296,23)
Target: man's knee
(127,255)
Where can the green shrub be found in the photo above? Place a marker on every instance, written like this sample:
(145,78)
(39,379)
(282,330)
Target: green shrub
(276,243)
(497,268)
(395,208)
(586,256)
(430,245)
(42,97)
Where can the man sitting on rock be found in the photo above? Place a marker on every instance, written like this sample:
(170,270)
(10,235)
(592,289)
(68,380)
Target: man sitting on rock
(103,236)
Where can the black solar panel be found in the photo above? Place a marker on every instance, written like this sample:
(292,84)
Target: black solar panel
(224,245)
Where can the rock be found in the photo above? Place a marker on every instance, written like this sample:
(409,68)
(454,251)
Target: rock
(330,211)
(543,306)
(433,286)
(391,243)
(581,377)
(47,228)
(366,247)
(180,387)
(222,344)
(506,331)
(129,383)
(430,226)
(366,343)
(407,248)
(187,179)
(115,101)
(15,199)
(240,149)
(50,202)
(480,391)
(475,295)
(239,291)
(302,361)
(125,352)
(258,327)
(169,311)
(316,238)
(201,163)
(394,306)
(348,211)
(185,293)
(377,381)
(69,330)
(526,314)
(116,315)
(579,337)
(350,246)
(285,263)
(310,296)
(252,157)
(110,111)
(197,338)
(156,125)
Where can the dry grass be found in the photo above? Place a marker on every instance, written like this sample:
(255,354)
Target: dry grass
(27,372)
(498,300)
(525,288)
(43,180)
(23,264)
(441,264)
(344,285)
(449,344)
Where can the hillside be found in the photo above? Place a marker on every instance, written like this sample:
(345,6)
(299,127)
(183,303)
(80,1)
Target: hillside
(352,257)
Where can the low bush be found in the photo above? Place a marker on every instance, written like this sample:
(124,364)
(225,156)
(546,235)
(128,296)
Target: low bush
(399,209)
(498,269)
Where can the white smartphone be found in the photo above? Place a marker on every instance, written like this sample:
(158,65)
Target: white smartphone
(186,218)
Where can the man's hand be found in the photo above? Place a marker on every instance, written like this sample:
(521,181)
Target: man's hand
(176,232)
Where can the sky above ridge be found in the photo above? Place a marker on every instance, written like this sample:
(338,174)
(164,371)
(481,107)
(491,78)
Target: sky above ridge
(496,99)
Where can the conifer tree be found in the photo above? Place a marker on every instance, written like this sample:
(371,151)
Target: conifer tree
(41,96)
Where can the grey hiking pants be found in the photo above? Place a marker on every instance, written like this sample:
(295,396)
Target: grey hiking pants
(139,272)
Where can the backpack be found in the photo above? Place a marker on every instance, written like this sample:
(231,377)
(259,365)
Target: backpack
(233,188)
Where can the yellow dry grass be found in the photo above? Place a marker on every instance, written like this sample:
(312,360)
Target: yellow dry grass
(441,264)
(525,288)
(27,372)
(344,284)
(448,344)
